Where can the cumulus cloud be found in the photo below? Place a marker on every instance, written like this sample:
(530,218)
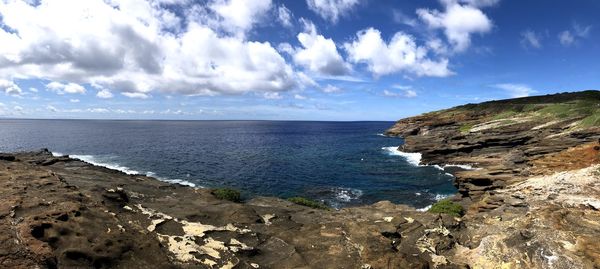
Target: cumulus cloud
(318,54)
(332,10)
(238,16)
(515,90)
(459,20)
(104,94)
(16,110)
(531,39)
(61,88)
(10,88)
(400,54)
(139,46)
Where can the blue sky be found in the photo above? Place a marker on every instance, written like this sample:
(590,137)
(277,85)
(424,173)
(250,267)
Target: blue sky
(287,60)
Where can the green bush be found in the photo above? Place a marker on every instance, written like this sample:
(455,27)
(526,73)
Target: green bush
(447,207)
(227,194)
(308,202)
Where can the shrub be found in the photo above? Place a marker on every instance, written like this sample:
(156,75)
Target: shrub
(447,207)
(308,202)
(227,194)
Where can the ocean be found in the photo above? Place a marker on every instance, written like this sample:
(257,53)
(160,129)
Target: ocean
(339,163)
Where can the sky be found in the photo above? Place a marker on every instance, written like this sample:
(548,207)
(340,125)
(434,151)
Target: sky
(344,60)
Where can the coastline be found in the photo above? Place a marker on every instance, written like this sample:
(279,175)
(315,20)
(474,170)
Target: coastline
(64,194)
(532,201)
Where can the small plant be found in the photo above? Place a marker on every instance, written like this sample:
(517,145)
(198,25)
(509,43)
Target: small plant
(308,202)
(447,207)
(227,194)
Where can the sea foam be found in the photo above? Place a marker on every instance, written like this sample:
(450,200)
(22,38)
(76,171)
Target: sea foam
(98,161)
(110,165)
(412,158)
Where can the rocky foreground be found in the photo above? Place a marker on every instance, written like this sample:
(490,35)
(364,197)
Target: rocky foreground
(533,202)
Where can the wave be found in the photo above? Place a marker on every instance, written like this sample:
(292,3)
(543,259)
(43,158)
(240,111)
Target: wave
(347,194)
(412,158)
(104,162)
(461,166)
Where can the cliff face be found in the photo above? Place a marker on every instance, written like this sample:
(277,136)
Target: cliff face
(507,140)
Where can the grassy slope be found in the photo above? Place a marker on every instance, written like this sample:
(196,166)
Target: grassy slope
(583,107)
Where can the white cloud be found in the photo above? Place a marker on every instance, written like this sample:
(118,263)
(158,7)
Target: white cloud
(52,108)
(401,54)
(284,15)
(299,97)
(33,89)
(399,17)
(480,3)
(570,37)
(332,10)
(582,31)
(238,16)
(407,93)
(531,39)
(566,38)
(61,88)
(459,21)
(318,54)
(138,95)
(515,90)
(74,100)
(140,47)
(104,94)
(10,88)
(331,89)
(98,110)
(272,95)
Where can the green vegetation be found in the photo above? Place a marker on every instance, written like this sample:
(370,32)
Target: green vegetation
(506,114)
(227,194)
(568,110)
(592,120)
(308,202)
(465,128)
(583,106)
(447,207)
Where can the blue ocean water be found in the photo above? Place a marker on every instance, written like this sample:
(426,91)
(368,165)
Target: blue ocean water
(340,163)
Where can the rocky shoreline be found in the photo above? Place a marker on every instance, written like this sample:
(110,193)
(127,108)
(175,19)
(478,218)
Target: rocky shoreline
(534,202)
(59,212)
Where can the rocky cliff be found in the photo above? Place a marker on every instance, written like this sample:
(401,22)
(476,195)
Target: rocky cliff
(509,140)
